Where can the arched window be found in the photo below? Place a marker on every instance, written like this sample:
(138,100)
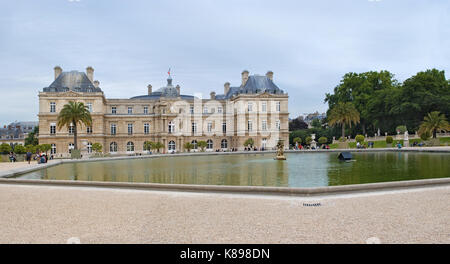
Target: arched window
(130,146)
(194,144)
(113,147)
(89,147)
(209,144)
(171,145)
(224,144)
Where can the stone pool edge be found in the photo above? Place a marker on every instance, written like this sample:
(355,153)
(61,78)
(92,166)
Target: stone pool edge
(285,191)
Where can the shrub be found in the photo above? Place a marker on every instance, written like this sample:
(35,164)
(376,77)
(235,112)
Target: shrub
(202,145)
(308,140)
(342,139)
(97,147)
(19,149)
(298,140)
(188,146)
(359,138)
(5,148)
(249,143)
(323,140)
(389,140)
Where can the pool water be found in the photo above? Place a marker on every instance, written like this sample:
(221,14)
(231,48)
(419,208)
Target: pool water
(299,170)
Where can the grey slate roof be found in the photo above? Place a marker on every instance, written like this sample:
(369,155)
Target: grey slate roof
(254,85)
(167,91)
(72,81)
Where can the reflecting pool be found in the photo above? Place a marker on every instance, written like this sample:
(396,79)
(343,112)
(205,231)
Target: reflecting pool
(299,170)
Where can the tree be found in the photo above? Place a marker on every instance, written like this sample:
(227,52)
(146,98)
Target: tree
(188,146)
(30,148)
(316,123)
(401,129)
(5,148)
(157,146)
(308,140)
(19,149)
(202,145)
(74,113)
(297,124)
(249,143)
(32,138)
(433,122)
(323,140)
(298,140)
(45,147)
(359,138)
(343,114)
(97,147)
(148,145)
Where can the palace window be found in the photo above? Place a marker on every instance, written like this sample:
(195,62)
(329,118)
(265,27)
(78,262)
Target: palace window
(89,130)
(224,144)
(250,107)
(194,128)
(250,125)
(278,125)
(89,107)
(53,149)
(278,106)
(130,129)
(113,110)
(52,107)
(224,127)
(71,129)
(89,147)
(71,146)
(264,107)
(171,145)
(113,147)
(191,109)
(219,109)
(130,110)
(209,144)
(113,129)
(264,125)
(194,144)
(171,127)
(209,127)
(145,110)
(205,110)
(130,146)
(52,129)
(146,128)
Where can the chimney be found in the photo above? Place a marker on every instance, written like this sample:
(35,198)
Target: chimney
(149,87)
(213,95)
(178,89)
(58,71)
(96,83)
(90,73)
(269,75)
(226,88)
(244,77)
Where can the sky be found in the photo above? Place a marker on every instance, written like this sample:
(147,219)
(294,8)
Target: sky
(309,45)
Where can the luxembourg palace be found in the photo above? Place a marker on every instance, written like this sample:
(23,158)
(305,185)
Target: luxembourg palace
(255,109)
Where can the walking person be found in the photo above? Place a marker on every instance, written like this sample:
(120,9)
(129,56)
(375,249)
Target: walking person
(28,156)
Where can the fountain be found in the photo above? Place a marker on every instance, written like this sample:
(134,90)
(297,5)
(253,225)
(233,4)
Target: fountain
(280,150)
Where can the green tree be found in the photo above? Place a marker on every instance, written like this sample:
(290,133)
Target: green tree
(32,138)
(30,148)
(359,138)
(45,147)
(433,122)
(401,129)
(5,148)
(343,114)
(148,145)
(75,113)
(308,140)
(97,147)
(323,140)
(157,146)
(202,145)
(297,140)
(188,146)
(19,149)
(249,143)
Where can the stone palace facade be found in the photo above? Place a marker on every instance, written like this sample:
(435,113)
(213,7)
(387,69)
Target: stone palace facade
(255,109)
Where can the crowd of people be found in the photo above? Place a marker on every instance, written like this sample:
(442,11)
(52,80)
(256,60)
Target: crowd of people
(39,157)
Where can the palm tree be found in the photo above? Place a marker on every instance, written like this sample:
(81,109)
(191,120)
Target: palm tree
(433,122)
(157,146)
(74,113)
(343,114)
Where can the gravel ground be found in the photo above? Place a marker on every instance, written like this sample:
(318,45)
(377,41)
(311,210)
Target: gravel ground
(6,166)
(44,214)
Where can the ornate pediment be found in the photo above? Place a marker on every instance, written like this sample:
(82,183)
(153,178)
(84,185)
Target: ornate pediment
(71,93)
